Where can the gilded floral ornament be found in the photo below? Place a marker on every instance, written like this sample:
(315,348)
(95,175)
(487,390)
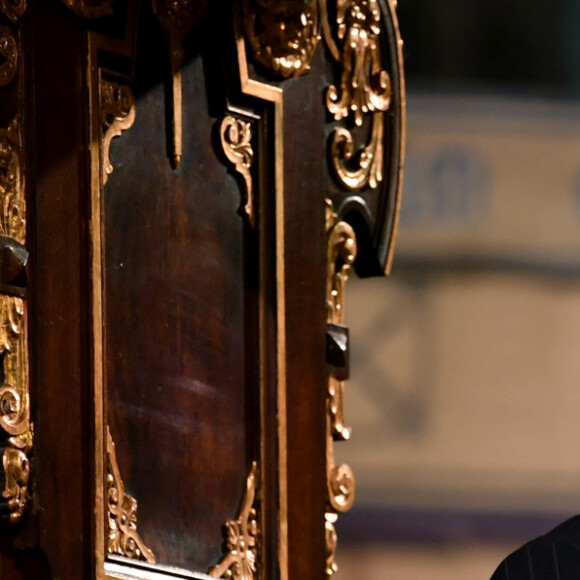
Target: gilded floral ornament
(13,9)
(239,562)
(90,8)
(123,538)
(117,115)
(365,90)
(9,56)
(284,34)
(236,138)
(341,253)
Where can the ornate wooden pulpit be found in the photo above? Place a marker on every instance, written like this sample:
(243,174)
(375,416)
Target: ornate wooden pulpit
(185,185)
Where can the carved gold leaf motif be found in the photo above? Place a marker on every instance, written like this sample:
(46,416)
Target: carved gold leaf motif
(341,254)
(14,390)
(365,89)
(13,9)
(90,8)
(123,538)
(117,115)
(239,562)
(236,138)
(283,34)
(9,54)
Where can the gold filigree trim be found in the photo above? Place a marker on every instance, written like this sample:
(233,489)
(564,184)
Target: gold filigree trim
(283,34)
(236,138)
(123,538)
(342,248)
(9,54)
(13,9)
(365,89)
(117,115)
(90,8)
(14,391)
(241,538)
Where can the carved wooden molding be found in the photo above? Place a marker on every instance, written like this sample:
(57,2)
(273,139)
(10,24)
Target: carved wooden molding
(9,54)
(13,9)
(117,115)
(241,538)
(123,538)
(342,248)
(236,139)
(90,8)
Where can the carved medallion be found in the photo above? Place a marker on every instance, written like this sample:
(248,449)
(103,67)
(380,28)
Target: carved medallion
(365,91)
(117,115)
(90,8)
(342,248)
(123,538)
(241,538)
(13,9)
(283,35)
(236,138)
(14,391)
(9,54)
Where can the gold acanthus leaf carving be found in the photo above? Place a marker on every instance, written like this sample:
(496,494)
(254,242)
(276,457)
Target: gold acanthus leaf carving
(236,138)
(90,8)
(341,253)
(123,538)
(117,115)
(16,466)
(241,538)
(365,89)
(284,34)
(9,54)
(13,9)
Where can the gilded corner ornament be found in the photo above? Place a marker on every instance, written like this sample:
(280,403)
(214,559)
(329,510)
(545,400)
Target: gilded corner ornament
(341,253)
(241,538)
(13,9)
(283,35)
(365,91)
(16,430)
(236,139)
(123,538)
(90,8)
(117,115)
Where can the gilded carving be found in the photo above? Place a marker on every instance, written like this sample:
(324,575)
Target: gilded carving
(365,90)
(177,18)
(341,254)
(241,538)
(9,54)
(123,538)
(283,35)
(13,9)
(90,8)
(14,391)
(117,115)
(236,138)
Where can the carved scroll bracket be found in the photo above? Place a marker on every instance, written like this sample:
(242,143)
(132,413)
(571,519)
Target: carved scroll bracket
(13,9)
(365,91)
(14,391)
(123,538)
(117,115)
(9,54)
(241,538)
(236,138)
(342,248)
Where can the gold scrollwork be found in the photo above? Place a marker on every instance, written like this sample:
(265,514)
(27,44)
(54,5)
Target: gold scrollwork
(365,88)
(341,254)
(117,115)
(13,9)
(90,8)
(241,538)
(283,35)
(9,53)
(14,391)
(123,538)
(236,138)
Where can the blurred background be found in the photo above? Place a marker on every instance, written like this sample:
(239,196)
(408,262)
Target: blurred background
(464,395)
